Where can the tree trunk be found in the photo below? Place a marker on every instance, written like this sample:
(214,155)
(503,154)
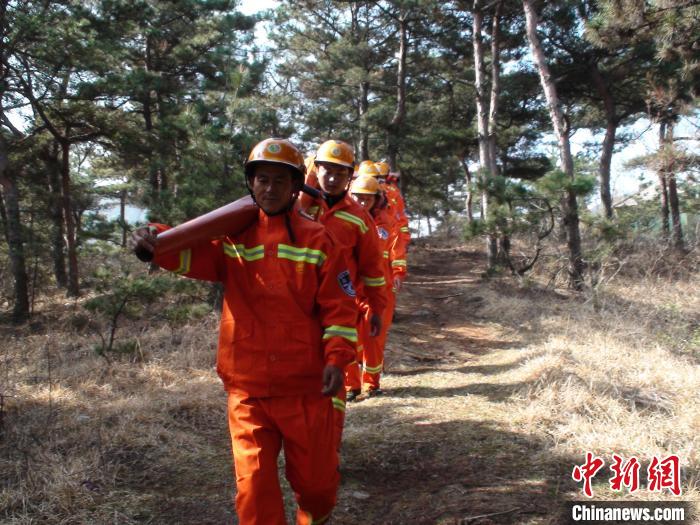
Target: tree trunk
(400,111)
(364,133)
(53,169)
(122,216)
(15,241)
(469,201)
(73,280)
(482,126)
(673,202)
(663,186)
(608,142)
(571,219)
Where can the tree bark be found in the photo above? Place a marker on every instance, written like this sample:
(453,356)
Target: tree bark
(570,204)
(482,127)
(73,279)
(469,201)
(400,110)
(673,202)
(608,142)
(53,169)
(15,241)
(663,186)
(122,216)
(364,133)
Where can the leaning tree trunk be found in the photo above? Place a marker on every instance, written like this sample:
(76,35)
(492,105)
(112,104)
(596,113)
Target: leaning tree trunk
(570,205)
(482,126)
(73,280)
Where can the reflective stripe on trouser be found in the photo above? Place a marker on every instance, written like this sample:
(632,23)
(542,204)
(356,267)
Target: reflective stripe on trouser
(353,371)
(373,355)
(306,427)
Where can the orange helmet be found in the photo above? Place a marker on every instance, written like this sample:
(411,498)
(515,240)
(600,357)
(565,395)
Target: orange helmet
(336,152)
(365,184)
(367,167)
(277,151)
(383,168)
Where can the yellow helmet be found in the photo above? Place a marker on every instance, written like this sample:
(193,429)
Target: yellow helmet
(383,168)
(365,184)
(277,151)
(336,152)
(367,167)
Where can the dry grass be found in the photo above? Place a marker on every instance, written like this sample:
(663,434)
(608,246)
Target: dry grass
(496,389)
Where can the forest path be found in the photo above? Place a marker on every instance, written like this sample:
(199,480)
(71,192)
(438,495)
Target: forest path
(438,447)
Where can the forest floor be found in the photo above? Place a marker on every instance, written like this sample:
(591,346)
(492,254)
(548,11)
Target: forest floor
(494,390)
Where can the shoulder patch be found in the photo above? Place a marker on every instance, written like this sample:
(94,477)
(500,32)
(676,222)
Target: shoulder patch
(383,234)
(346,283)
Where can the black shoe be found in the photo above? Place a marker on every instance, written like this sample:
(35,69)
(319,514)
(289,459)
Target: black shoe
(372,392)
(352,395)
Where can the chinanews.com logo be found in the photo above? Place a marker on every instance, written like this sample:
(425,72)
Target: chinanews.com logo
(663,476)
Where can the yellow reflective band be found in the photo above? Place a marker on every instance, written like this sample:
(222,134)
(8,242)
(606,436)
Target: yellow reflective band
(374,369)
(338,404)
(308,255)
(399,262)
(354,219)
(341,331)
(386,255)
(185,262)
(239,251)
(404,229)
(374,281)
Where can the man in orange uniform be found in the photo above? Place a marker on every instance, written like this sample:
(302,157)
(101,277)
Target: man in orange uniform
(366,191)
(287,332)
(388,183)
(352,227)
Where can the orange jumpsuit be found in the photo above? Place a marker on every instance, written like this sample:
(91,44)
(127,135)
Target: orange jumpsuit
(395,268)
(352,226)
(397,206)
(287,314)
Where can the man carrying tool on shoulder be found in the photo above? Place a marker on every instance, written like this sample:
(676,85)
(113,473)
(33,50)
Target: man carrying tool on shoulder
(352,227)
(287,332)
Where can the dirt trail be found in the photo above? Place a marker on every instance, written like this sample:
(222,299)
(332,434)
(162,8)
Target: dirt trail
(437,448)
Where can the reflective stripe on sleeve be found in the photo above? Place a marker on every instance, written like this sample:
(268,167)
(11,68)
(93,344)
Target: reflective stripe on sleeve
(308,255)
(386,254)
(341,331)
(399,262)
(185,262)
(374,281)
(404,229)
(239,251)
(354,219)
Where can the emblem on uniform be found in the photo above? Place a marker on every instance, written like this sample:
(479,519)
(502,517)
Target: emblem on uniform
(383,234)
(274,148)
(346,283)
